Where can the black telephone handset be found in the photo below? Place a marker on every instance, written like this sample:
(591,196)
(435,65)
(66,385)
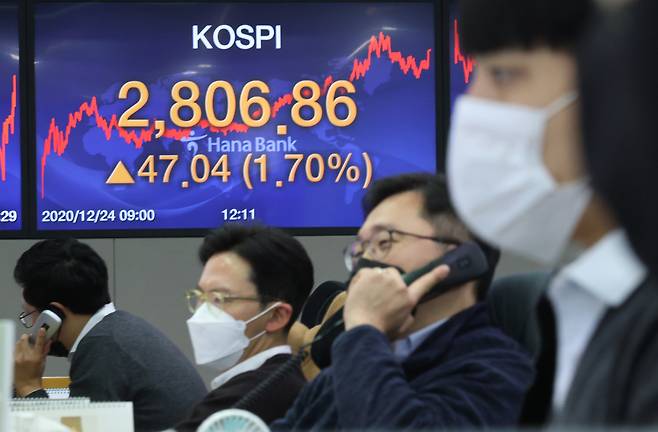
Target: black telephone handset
(51,320)
(467,262)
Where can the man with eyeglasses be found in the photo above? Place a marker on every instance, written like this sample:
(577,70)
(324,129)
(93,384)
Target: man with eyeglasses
(253,285)
(114,356)
(406,363)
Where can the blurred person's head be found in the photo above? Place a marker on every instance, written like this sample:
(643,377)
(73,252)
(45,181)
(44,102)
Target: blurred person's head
(67,275)
(515,162)
(618,65)
(254,282)
(410,222)
(525,54)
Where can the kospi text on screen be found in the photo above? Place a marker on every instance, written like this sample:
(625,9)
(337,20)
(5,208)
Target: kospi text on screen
(243,37)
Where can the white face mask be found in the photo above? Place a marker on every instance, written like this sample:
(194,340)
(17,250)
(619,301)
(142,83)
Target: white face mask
(218,339)
(499,183)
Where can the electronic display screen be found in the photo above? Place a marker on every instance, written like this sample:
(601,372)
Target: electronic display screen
(192,115)
(10,135)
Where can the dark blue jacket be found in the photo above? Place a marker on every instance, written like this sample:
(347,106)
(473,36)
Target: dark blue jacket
(467,373)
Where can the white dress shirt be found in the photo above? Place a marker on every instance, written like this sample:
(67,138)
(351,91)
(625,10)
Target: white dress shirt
(95,319)
(252,363)
(604,276)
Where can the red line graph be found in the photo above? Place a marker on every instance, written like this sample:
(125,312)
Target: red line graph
(7,129)
(381,44)
(467,62)
(57,139)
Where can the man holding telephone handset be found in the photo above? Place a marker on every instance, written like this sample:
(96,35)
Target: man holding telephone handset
(114,355)
(406,361)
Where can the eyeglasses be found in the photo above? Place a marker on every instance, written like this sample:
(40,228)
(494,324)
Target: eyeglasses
(380,244)
(27,318)
(196,297)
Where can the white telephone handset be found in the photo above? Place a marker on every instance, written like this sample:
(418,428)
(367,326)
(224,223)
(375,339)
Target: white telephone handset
(51,320)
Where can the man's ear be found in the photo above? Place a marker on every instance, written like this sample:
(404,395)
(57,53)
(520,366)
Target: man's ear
(280,318)
(63,309)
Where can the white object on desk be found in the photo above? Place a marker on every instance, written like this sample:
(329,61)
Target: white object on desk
(30,422)
(58,393)
(6,371)
(81,414)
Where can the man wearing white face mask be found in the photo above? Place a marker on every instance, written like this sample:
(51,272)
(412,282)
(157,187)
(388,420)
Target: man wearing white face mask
(519,181)
(253,285)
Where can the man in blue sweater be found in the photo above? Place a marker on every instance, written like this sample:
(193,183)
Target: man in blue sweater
(403,362)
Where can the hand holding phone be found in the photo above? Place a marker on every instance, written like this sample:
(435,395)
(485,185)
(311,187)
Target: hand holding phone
(30,362)
(387,308)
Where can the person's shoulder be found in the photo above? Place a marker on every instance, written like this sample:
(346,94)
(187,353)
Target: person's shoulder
(239,384)
(121,318)
(135,336)
(275,362)
(645,295)
(636,320)
(635,317)
(482,348)
(477,334)
(245,381)
(272,365)
(124,325)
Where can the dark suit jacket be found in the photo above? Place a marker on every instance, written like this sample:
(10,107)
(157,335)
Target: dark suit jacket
(270,406)
(616,382)
(467,373)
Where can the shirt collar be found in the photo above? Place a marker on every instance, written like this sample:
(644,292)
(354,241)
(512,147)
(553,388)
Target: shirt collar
(403,348)
(252,363)
(609,269)
(95,319)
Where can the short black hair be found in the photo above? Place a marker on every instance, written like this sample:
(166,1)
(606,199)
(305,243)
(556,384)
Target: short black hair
(491,25)
(64,271)
(280,267)
(618,115)
(437,209)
